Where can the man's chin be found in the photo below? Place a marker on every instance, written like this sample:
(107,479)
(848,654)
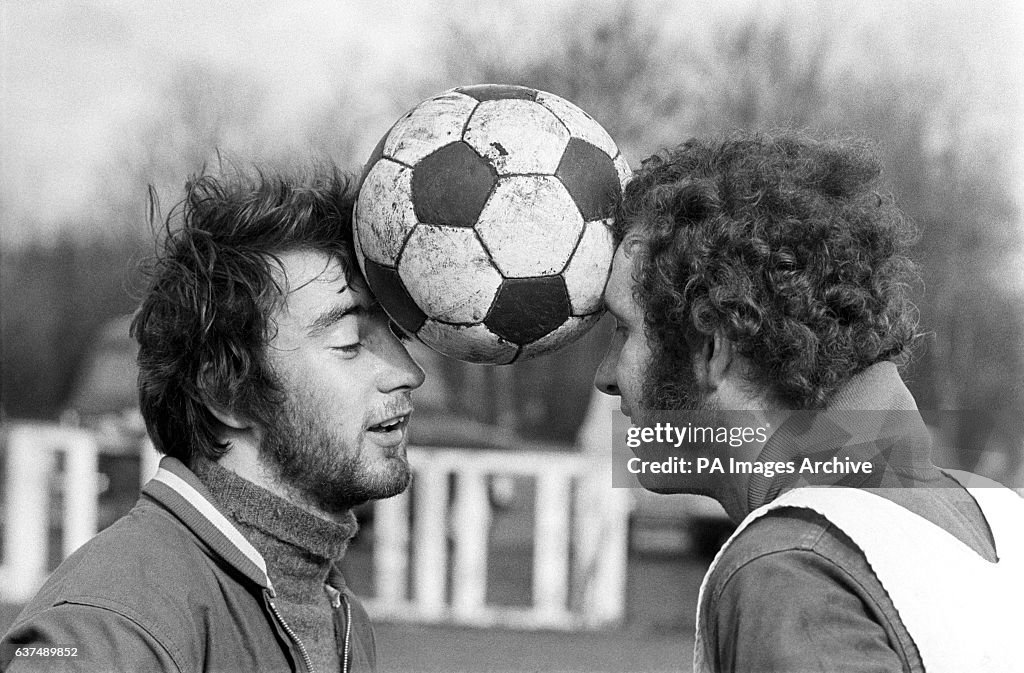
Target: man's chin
(639,416)
(396,485)
(339,493)
(392,477)
(673,484)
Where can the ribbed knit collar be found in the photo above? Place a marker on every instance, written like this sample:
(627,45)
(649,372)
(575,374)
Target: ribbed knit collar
(277,528)
(872,418)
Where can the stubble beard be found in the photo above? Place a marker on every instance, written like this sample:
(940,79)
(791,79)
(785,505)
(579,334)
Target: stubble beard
(319,466)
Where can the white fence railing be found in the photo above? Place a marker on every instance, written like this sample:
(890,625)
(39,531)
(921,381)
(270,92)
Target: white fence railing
(32,452)
(578,536)
(579,542)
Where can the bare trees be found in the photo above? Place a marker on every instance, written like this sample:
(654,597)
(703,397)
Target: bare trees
(654,77)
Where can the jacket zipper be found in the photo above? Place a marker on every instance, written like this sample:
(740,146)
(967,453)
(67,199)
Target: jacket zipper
(291,634)
(348,634)
(337,599)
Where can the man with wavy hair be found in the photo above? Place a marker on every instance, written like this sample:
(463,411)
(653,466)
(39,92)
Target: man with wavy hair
(273,383)
(765,279)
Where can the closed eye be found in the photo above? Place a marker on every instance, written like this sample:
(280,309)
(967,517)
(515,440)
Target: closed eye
(349,350)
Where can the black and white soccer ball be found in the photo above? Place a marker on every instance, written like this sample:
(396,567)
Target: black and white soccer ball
(483,222)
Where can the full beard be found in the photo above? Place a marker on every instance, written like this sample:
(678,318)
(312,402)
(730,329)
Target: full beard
(310,460)
(671,386)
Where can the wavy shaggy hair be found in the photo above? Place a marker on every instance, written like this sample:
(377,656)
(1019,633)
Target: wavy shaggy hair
(785,244)
(205,318)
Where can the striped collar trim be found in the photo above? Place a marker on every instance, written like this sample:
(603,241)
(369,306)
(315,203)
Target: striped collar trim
(206,516)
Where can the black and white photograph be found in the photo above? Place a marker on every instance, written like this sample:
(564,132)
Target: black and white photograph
(568,336)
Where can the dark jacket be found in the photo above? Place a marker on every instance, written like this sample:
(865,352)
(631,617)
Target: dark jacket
(173,586)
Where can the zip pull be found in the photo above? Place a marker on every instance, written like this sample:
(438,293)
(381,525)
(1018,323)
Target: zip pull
(334,595)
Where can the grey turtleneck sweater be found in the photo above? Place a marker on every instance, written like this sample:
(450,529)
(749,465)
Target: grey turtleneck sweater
(299,548)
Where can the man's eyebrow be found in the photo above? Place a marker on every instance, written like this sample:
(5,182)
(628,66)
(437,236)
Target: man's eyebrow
(332,316)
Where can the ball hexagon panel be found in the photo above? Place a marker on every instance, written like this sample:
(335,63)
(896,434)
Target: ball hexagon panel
(448,270)
(525,309)
(571,330)
(517,136)
(432,124)
(384,215)
(523,210)
(386,284)
(580,124)
(589,175)
(450,186)
(587,272)
(470,343)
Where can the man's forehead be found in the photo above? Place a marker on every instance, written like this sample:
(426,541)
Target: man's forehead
(310,279)
(298,268)
(618,292)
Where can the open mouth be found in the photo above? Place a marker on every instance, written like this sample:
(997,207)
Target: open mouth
(390,425)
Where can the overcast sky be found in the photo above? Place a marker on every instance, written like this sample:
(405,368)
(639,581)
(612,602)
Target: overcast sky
(76,75)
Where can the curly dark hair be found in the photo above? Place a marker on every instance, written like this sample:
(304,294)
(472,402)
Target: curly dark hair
(205,318)
(783,242)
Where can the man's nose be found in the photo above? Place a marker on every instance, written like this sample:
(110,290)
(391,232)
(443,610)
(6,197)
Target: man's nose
(403,373)
(604,379)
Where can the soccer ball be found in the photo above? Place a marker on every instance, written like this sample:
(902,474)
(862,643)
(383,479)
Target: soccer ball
(482,223)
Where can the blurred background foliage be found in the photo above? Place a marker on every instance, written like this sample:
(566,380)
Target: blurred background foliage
(652,80)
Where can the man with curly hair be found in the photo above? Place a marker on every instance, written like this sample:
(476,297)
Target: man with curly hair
(273,383)
(763,281)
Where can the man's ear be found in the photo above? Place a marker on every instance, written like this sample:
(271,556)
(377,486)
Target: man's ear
(230,419)
(713,355)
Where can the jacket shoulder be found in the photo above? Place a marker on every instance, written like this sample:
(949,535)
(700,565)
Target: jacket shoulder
(787,529)
(95,639)
(791,537)
(146,576)
(146,549)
